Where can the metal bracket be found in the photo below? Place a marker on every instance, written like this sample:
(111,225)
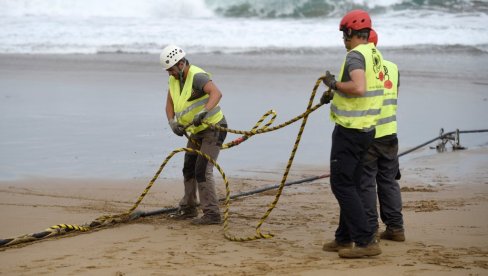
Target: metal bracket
(452,138)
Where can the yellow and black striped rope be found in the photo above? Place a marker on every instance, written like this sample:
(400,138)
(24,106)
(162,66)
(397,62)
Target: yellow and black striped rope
(126,216)
(70,227)
(52,231)
(259,234)
(247,134)
(255,130)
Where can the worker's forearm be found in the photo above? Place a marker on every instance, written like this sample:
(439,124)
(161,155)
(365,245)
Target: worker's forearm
(350,88)
(213,101)
(170,112)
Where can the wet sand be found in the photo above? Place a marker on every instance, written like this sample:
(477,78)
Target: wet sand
(102,116)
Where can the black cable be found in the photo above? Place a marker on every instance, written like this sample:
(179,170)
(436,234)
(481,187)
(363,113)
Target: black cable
(248,193)
(260,190)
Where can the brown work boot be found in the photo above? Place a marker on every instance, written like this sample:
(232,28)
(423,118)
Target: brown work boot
(369,250)
(207,220)
(335,246)
(377,235)
(184,213)
(393,234)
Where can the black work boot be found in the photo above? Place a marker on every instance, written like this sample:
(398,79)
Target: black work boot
(184,213)
(207,220)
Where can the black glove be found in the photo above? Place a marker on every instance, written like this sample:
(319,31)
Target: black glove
(326,97)
(176,128)
(197,120)
(330,80)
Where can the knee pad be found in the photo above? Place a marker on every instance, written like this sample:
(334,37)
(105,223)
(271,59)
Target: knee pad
(200,169)
(189,166)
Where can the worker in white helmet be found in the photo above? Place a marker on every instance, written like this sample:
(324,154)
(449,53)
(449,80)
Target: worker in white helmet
(193,102)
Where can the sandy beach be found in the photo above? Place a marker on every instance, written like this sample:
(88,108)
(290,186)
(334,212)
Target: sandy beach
(445,215)
(82,135)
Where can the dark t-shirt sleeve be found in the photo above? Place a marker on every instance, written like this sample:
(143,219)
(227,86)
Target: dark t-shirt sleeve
(199,81)
(354,60)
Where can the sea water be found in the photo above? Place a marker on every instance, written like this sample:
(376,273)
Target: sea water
(106,127)
(230,26)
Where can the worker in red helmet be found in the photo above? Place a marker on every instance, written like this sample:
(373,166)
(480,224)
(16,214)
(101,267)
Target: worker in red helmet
(381,168)
(355,108)
(373,37)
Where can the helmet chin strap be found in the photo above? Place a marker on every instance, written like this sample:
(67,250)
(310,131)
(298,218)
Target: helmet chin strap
(347,34)
(180,72)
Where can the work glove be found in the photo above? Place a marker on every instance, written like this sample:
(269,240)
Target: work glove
(197,120)
(326,97)
(176,128)
(330,80)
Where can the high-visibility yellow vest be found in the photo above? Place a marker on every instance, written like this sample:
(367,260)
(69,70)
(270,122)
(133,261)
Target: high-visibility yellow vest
(185,110)
(361,112)
(387,123)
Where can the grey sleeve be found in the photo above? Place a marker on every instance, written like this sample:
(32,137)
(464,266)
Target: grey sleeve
(199,81)
(354,60)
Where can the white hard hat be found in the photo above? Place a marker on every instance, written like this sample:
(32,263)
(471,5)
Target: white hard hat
(170,55)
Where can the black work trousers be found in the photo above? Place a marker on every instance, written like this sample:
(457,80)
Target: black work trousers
(349,146)
(381,171)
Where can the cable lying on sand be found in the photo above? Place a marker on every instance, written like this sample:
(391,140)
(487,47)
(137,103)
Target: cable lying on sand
(62,229)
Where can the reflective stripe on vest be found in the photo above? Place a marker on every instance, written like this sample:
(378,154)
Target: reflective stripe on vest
(185,110)
(389,101)
(361,112)
(386,120)
(387,123)
(355,113)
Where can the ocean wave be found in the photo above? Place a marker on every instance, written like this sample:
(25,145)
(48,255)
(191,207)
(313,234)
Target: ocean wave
(228,8)
(106,8)
(33,26)
(325,8)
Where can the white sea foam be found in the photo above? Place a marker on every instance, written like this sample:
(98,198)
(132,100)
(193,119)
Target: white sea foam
(106,8)
(90,26)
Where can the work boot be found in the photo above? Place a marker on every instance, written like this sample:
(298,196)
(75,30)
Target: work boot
(393,234)
(207,220)
(377,235)
(184,213)
(335,246)
(372,249)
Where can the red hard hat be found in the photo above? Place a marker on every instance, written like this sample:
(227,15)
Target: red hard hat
(373,37)
(355,20)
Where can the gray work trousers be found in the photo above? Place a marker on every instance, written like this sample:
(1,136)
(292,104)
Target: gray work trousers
(381,169)
(198,171)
